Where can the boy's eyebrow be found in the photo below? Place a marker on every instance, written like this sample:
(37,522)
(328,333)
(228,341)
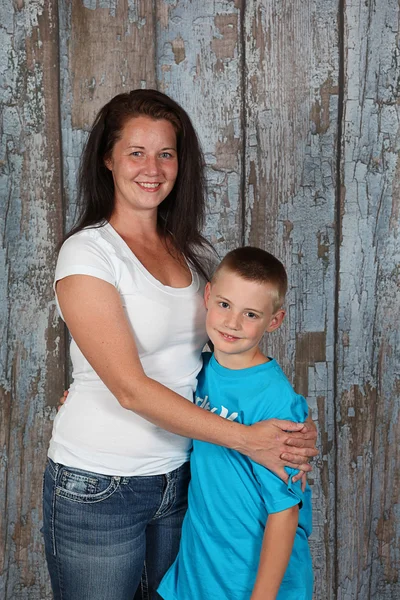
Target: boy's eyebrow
(254,310)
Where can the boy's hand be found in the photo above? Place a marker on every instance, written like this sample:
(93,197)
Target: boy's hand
(277,443)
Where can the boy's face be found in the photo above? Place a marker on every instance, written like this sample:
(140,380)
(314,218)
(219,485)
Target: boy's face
(239,312)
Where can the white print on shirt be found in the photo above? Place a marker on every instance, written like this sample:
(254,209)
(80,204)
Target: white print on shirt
(224,413)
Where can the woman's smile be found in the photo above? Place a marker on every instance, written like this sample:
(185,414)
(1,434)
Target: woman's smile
(144,164)
(149,187)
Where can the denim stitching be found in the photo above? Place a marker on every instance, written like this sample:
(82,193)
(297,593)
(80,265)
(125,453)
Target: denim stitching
(169,495)
(89,498)
(144,583)
(55,472)
(66,473)
(53,467)
(53,510)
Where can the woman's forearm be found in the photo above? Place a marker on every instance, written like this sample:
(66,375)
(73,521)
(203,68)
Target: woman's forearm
(110,348)
(263,442)
(167,409)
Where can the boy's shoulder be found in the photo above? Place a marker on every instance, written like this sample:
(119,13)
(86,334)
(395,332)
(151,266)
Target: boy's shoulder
(281,397)
(278,378)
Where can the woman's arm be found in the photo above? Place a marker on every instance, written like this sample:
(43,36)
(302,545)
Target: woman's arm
(94,314)
(277,547)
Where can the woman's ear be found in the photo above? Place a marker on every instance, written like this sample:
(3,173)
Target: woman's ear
(276,321)
(108,162)
(207,292)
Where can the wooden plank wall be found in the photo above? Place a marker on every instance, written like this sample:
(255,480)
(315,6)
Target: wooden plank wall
(368,366)
(297,107)
(32,339)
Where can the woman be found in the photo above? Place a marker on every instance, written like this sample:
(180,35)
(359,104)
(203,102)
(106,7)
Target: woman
(129,284)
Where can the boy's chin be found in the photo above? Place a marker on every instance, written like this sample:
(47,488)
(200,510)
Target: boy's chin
(228,348)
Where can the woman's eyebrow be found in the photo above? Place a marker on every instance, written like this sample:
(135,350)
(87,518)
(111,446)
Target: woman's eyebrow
(143,148)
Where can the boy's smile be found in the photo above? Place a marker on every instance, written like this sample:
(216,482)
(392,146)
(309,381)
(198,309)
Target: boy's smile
(239,311)
(227,337)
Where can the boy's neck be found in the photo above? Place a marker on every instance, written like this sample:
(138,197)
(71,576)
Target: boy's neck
(242,360)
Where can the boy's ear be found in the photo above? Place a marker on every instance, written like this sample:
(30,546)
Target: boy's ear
(276,320)
(207,292)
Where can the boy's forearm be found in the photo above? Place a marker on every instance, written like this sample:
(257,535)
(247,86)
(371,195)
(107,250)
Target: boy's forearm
(276,549)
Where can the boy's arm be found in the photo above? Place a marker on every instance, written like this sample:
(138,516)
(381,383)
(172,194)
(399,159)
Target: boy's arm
(276,549)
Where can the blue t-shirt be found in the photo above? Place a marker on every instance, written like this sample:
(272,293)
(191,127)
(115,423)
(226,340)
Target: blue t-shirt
(230,496)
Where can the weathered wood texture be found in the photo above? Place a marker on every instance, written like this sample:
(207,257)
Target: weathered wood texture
(32,349)
(200,64)
(368,348)
(266,83)
(291,100)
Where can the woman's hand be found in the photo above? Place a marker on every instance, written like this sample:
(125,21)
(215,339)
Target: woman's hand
(62,399)
(109,346)
(277,444)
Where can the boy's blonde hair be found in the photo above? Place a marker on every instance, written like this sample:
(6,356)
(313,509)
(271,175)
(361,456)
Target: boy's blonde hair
(255,264)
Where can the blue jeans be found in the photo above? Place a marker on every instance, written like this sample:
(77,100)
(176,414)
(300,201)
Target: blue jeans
(111,538)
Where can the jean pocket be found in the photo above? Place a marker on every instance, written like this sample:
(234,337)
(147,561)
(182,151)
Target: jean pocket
(81,486)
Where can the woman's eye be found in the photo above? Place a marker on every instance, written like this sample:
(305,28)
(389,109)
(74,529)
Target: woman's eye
(136,153)
(166,155)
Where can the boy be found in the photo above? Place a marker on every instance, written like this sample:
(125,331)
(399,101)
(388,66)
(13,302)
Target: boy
(245,532)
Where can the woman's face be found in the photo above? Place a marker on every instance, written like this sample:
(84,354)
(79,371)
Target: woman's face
(144,164)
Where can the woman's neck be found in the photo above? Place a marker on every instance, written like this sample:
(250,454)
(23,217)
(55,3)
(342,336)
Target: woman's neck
(142,226)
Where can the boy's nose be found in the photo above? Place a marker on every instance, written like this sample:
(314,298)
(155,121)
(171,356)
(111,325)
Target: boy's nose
(233,322)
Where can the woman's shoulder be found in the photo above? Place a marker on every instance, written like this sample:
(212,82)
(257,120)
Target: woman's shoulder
(96,239)
(86,235)
(87,248)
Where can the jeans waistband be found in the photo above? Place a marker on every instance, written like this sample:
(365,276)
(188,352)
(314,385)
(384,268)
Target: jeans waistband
(170,476)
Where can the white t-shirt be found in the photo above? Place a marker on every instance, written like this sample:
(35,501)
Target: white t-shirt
(92,431)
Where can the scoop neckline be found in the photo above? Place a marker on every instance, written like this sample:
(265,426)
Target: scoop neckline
(193,286)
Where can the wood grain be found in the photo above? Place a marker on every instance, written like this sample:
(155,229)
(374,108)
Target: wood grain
(291,99)
(297,107)
(32,339)
(199,64)
(367,420)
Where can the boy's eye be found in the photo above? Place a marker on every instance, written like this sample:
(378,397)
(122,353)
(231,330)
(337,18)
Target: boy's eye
(223,304)
(252,315)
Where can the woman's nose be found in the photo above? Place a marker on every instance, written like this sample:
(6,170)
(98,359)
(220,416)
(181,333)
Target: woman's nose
(151,166)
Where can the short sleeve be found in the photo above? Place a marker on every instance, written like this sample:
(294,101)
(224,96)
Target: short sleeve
(277,494)
(82,254)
